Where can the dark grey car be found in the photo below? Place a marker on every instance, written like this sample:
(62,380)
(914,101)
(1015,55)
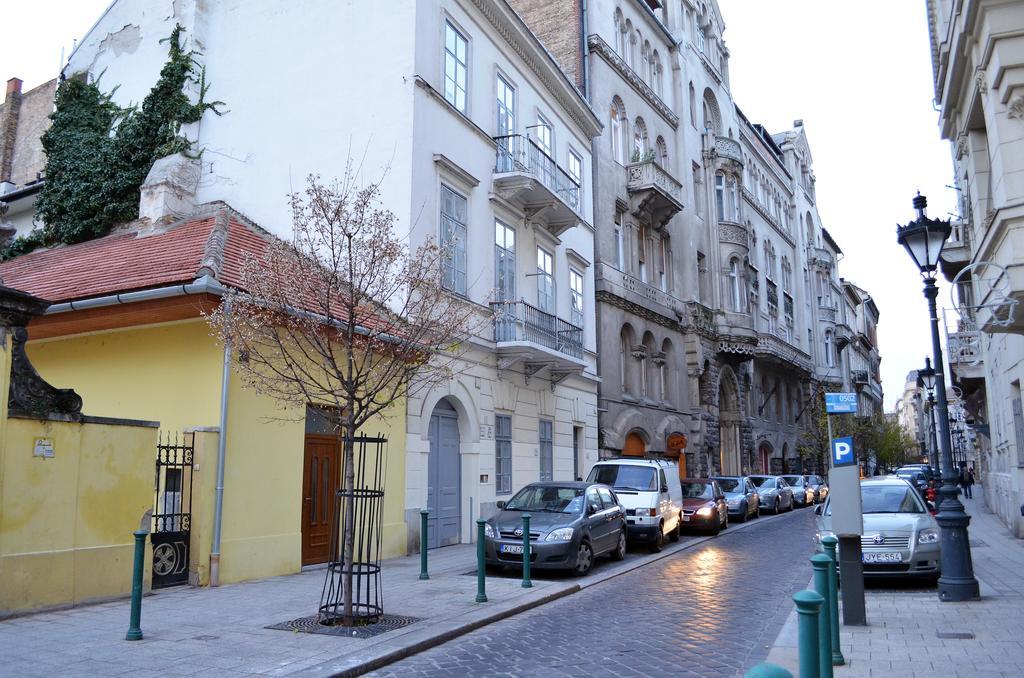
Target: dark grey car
(571,524)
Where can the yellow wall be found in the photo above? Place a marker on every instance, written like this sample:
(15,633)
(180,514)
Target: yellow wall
(172,373)
(66,522)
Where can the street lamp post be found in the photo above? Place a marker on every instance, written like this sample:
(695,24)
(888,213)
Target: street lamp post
(926,377)
(924,239)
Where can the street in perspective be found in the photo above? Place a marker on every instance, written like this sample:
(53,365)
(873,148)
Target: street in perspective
(495,338)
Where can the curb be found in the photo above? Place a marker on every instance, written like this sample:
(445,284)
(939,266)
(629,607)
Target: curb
(428,643)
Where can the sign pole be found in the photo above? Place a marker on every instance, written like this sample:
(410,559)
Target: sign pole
(847,512)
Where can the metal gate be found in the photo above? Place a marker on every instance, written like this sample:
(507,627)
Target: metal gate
(172,510)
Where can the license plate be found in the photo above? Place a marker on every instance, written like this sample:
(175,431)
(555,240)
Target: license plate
(686,519)
(511,548)
(883,558)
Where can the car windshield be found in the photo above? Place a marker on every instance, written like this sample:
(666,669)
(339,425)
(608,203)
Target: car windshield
(890,499)
(795,481)
(730,485)
(764,483)
(547,498)
(698,491)
(625,477)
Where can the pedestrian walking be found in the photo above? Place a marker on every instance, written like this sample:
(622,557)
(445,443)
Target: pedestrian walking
(969,484)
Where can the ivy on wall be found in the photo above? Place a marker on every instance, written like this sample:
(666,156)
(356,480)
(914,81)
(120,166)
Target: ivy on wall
(98,154)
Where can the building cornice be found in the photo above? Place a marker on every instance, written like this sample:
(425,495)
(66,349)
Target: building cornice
(528,47)
(605,51)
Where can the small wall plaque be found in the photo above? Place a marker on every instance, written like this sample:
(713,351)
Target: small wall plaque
(43,447)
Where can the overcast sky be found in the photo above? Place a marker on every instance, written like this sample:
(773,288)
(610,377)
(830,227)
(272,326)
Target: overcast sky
(862,86)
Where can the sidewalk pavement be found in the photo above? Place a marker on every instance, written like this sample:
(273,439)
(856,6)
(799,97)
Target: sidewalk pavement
(222,631)
(902,636)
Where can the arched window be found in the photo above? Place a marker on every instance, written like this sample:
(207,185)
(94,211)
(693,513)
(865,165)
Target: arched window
(662,149)
(693,106)
(667,372)
(649,377)
(720,196)
(712,116)
(640,144)
(646,59)
(620,33)
(630,38)
(736,285)
(625,355)
(618,130)
(830,349)
(656,72)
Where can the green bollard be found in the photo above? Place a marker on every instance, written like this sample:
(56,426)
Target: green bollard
(831,544)
(821,563)
(526,552)
(481,564)
(767,670)
(423,544)
(808,607)
(134,630)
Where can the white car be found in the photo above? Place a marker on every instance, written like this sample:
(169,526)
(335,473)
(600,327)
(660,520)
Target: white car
(650,492)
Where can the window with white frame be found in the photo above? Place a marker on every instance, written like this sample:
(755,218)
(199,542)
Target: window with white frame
(618,131)
(543,133)
(576,297)
(454,209)
(736,285)
(641,252)
(701,39)
(545,281)
(547,443)
(456,61)
(830,349)
(506,107)
(720,196)
(502,454)
(620,250)
(504,261)
(663,260)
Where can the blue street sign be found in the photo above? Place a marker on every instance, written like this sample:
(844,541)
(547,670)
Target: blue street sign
(841,403)
(842,452)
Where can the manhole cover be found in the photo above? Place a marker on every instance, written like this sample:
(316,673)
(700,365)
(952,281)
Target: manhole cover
(955,635)
(205,637)
(976,543)
(388,622)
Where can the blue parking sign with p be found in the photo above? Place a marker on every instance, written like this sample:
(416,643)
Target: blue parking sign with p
(842,452)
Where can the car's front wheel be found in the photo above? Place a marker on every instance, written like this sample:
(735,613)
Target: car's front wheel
(584,559)
(658,543)
(742,518)
(776,509)
(620,550)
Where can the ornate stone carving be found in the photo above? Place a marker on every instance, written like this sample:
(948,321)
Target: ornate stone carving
(658,358)
(597,44)
(733,233)
(1016,108)
(981,81)
(30,394)
(962,147)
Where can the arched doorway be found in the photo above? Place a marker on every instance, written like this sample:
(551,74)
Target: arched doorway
(634,445)
(444,473)
(728,424)
(764,454)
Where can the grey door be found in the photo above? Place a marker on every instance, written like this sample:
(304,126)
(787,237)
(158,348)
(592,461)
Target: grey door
(443,474)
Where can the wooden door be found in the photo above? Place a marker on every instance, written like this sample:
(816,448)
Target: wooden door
(320,479)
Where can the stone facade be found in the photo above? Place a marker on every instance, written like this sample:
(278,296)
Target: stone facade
(978,62)
(708,243)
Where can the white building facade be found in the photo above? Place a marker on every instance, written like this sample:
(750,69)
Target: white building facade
(482,142)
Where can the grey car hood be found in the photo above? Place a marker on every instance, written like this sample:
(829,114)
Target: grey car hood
(540,521)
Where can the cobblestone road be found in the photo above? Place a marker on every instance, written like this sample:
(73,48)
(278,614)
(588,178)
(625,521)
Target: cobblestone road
(713,610)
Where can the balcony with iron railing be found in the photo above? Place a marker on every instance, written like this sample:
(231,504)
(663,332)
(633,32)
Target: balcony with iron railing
(963,346)
(653,191)
(728,148)
(537,340)
(957,251)
(525,175)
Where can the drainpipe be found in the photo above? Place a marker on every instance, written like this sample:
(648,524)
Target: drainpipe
(218,501)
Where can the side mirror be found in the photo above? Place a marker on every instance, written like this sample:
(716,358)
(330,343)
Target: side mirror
(664,488)
(818,509)
(500,505)
(591,509)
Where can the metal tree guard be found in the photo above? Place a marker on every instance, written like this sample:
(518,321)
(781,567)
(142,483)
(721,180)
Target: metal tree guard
(369,461)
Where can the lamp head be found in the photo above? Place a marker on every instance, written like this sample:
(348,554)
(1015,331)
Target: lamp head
(927,375)
(924,238)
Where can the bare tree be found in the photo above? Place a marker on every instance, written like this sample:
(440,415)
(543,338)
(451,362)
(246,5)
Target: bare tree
(344,315)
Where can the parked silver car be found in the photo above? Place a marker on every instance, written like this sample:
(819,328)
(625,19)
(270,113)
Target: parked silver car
(774,492)
(571,524)
(900,537)
(740,497)
(820,487)
(803,491)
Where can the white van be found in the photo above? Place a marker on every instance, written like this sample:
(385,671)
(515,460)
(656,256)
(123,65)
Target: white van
(650,491)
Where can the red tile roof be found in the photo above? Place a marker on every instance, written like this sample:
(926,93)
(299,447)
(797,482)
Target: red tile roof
(125,261)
